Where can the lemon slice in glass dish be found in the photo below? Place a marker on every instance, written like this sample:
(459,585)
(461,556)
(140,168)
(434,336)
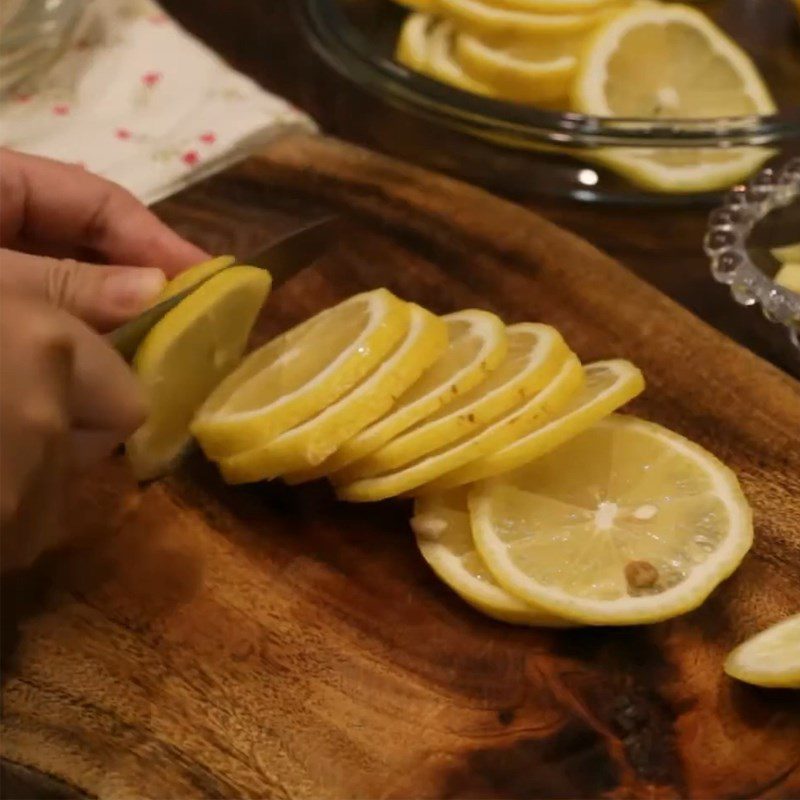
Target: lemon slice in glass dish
(770,658)
(184,357)
(299,373)
(477,343)
(670,61)
(310,443)
(628,523)
(441,525)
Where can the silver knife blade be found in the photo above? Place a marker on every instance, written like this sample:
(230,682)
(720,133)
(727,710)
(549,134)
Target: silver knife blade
(282,258)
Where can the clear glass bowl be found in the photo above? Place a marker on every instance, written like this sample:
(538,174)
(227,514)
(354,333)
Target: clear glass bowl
(754,218)
(528,150)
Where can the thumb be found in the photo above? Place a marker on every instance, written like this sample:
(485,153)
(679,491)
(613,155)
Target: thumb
(101,296)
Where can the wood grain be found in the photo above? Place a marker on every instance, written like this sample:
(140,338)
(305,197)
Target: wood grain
(208,641)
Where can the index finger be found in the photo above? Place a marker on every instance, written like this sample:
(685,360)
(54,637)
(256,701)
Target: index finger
(49,201)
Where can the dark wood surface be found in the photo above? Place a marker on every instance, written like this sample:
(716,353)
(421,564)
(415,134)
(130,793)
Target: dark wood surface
(663,245)
(263,641)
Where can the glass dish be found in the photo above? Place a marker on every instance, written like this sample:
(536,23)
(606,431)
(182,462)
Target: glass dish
(756,217)
(526,150)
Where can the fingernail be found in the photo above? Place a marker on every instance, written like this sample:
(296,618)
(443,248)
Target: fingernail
(134,288)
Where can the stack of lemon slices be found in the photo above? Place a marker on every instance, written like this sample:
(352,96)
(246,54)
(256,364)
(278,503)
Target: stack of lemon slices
(606,58)
(534,500)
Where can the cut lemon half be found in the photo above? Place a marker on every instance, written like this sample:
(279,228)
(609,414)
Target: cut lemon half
(441,525)
(195,275)
(491,20)
(477,343)
(524,69)
(298,374)
(668,60)
(433,469)
(770,658)
(185,356)
(628,523)
(535,354)
(608,385)
(310,443)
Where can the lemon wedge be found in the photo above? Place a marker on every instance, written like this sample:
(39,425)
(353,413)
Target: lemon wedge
(770,658)
(668,60)
(627,523)
(535,353)
(607,386)
(477,344)
(298,374)
(441,525)
(310,443)
(195,275)
(434,468)
(185,356)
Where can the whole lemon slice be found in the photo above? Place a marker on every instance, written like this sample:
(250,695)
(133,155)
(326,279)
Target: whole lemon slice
(668,60)
(627,523)
(441,525)
(477,343)
(608,385)
(770,658)
(298,374)
(535,354)
(185,356)
(310,443)
(434,469)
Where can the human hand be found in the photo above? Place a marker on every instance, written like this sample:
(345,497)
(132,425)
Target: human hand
(54,217)
(67,399)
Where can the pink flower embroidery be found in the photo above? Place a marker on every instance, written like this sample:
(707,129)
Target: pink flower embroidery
(208,138)
(61,109)
(150,79)
(123,133)
(190,158)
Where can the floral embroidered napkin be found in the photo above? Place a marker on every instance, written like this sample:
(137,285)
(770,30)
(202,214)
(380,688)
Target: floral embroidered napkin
(138,100)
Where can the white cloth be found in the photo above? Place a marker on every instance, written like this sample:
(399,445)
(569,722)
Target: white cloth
(138,100)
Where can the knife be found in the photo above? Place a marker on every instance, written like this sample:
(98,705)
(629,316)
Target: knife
(282,258)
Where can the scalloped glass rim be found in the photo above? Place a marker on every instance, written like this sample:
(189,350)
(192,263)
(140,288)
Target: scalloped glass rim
(348,52)
(726,244)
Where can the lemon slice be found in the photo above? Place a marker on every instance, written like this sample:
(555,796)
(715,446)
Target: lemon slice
(296,375)
(788,254)
(491,20)
(627,523)
(530,69)
(194,275)
(788,276)
(433,469)
(442,64)
(770,658)
(657,61)
(310,443)
(413,41)
(608,385)
(535,354)
(444,537)
(477,344)
(185,356)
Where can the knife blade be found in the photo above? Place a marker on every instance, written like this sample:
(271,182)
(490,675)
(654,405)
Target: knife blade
(283,258)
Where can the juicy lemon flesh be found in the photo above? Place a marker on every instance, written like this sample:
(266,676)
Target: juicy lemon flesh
(770,658)
(477,343)
(678,75)
(441,524)
(619,514)
(186,355)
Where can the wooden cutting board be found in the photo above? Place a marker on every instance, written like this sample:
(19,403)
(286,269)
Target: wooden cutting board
(271,642)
